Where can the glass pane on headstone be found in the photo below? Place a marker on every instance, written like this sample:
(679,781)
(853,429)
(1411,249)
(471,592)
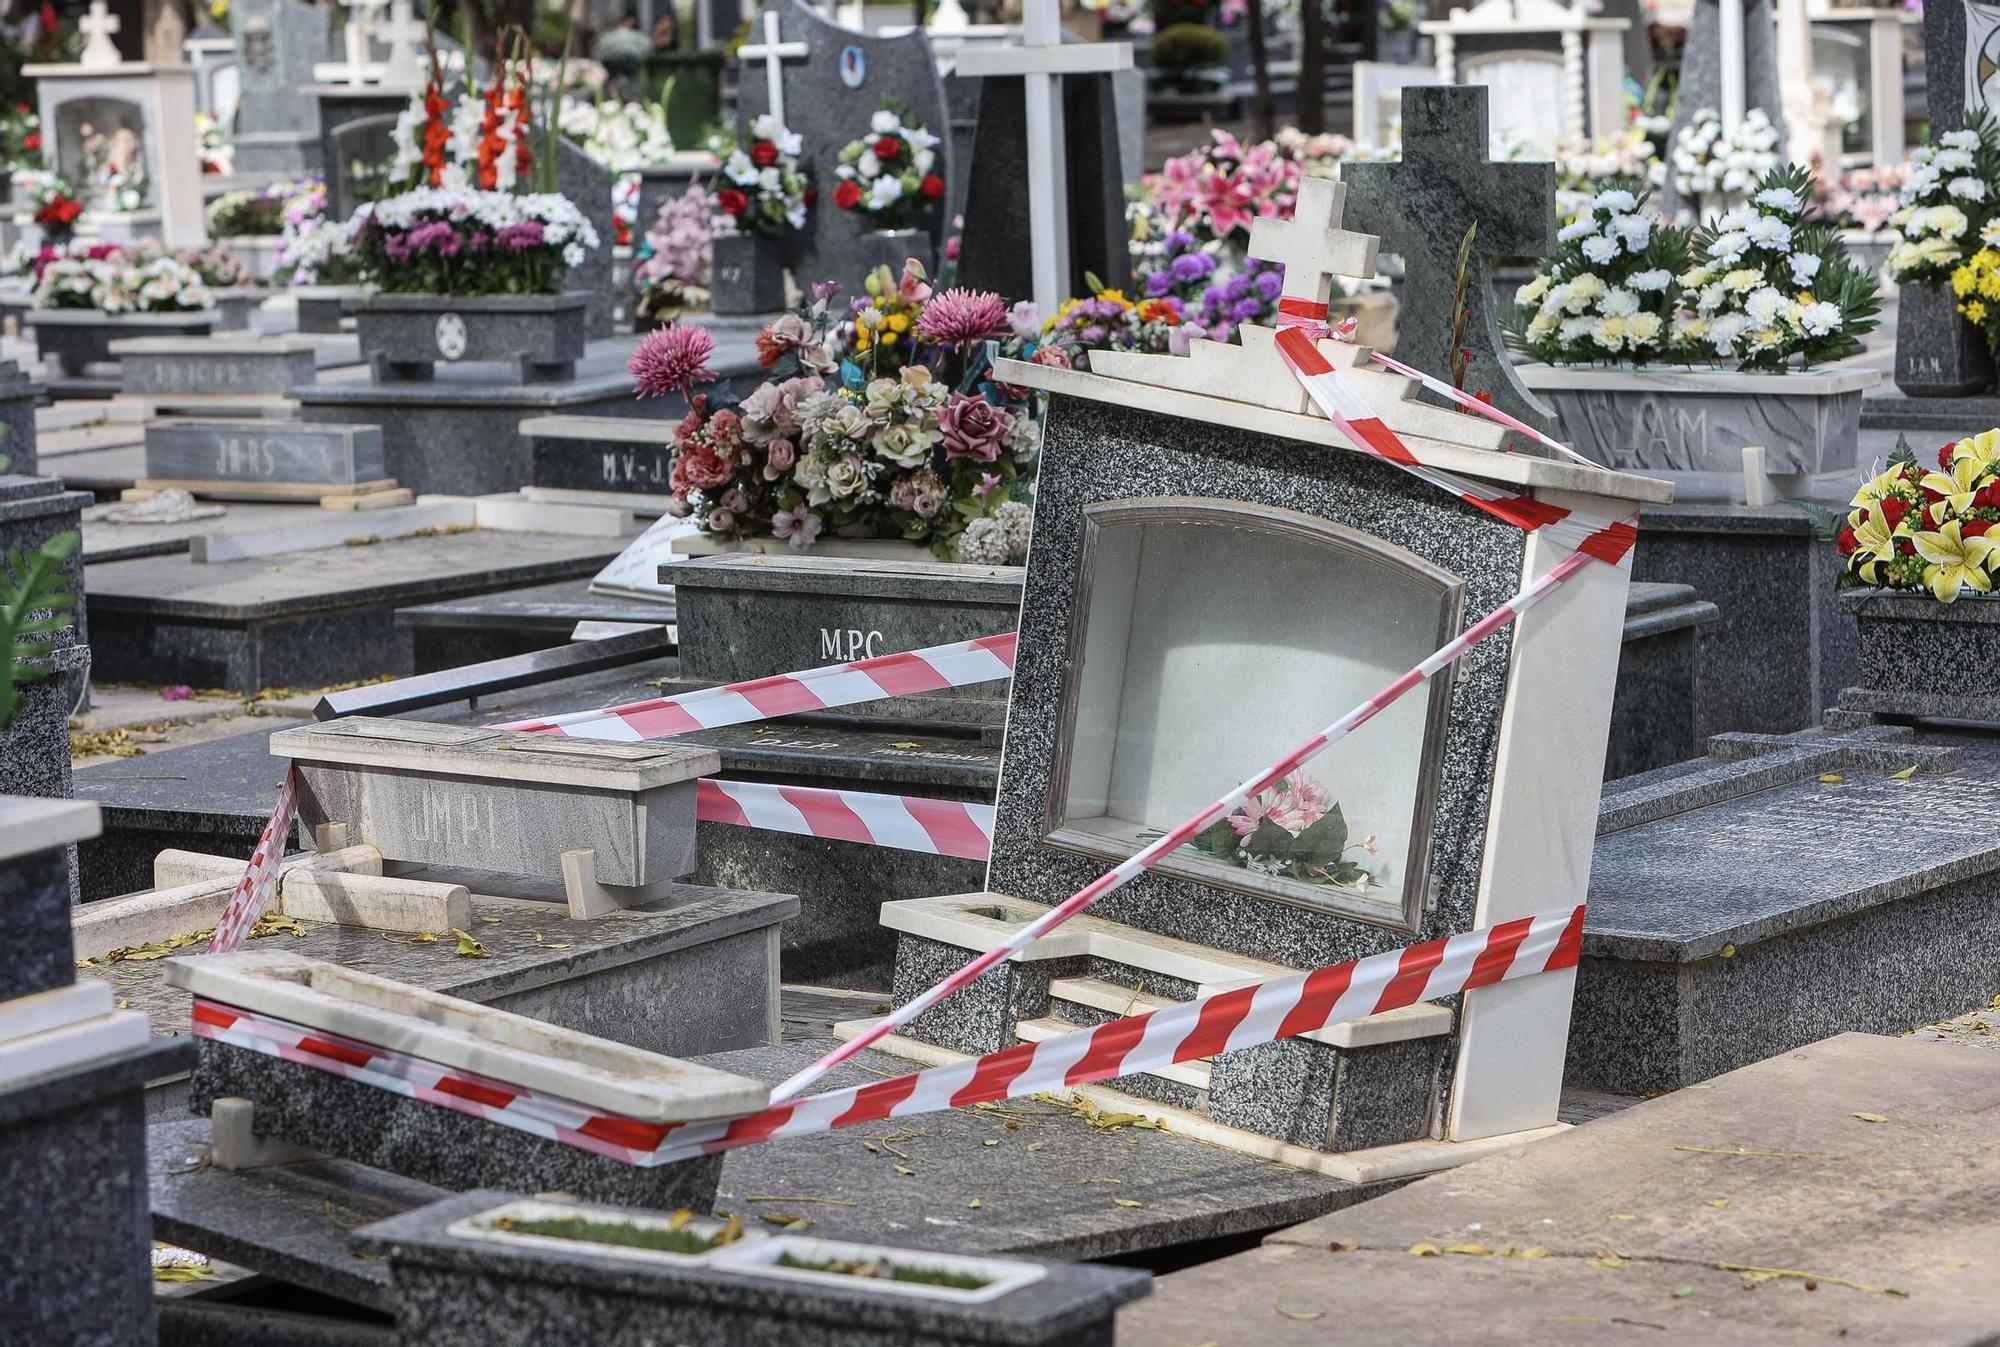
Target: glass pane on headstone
(1212,639)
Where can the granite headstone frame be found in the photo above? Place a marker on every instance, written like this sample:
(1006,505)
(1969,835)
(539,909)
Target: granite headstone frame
(827,111)
(1211,583)
(277,122)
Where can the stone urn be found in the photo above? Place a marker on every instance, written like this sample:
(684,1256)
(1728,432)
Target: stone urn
(1916,656)
(893,247)
(747,274)
(1938,353)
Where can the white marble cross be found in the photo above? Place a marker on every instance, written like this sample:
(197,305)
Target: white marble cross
(1312,246)
(360,17)
(98,26)
(772,52)
(406,67)
(1042,59)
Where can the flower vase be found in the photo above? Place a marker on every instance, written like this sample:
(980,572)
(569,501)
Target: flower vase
(747,274)
(1916,656)
(1938,353)
(892,247)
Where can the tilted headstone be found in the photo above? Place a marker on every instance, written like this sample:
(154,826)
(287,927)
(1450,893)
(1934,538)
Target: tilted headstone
(1422,208)
(829,98)
(263,453)
(277,121)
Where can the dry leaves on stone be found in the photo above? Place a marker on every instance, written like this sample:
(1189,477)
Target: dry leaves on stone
(469,948)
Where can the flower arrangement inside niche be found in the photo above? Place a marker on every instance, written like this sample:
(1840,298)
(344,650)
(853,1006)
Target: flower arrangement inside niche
(881,419)
(764,186)
(1917,528)
(889,175)
(1293,830)
(675,255)
(1948,198)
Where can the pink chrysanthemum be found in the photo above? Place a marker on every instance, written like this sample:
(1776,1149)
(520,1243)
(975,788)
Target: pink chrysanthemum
(960,319)
(672,359)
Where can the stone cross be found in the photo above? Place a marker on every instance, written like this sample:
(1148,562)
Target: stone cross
(405,67)
(98,26)
(1042,60)
(1311,246)
(773,53)
(1422,207)
(360,16)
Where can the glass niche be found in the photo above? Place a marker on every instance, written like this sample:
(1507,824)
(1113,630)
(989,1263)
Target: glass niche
(1208,639)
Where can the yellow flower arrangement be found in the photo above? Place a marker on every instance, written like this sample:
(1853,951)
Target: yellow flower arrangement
(1912,528)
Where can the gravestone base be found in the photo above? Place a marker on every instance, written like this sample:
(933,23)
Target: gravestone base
(484,627)
(77,339)
(1660,668)
(1780,651)
(18,396)
(305,619)
(214,366)
(1927,418)
(73,1148)
(1743,905)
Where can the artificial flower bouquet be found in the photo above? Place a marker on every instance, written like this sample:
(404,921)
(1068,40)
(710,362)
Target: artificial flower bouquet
(1864,198)
(764,187)
(1768,288)
(56,209)
(115,283)
(20,139)
(1293,830)
(1949,196)
(1626,160)
(618,135)
(890,174)
(922,445)
(675,256)
(267,211)
(1218,191)
(316,253)
(1915,528)
(456,241)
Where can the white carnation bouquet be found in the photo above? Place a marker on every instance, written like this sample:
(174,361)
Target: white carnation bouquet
(1608,293)
(1952,191)
(1708,162)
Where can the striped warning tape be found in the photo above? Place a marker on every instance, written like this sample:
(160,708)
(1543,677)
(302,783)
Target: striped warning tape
(900,822)
(958,665)
(260,876)
(1242,1017)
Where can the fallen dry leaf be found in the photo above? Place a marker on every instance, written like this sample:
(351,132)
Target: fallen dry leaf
(1303,1316)
(1126,1202)
(468,948)
(1905,774)
(1833,779)
(1424,1251)
(1869,1117)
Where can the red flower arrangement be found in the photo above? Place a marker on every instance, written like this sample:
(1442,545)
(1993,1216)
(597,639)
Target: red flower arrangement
(889,174)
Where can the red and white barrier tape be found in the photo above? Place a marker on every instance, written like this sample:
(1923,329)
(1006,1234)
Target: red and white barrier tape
(1227,1021)
(900,822)
(1466,400)
(958,665)
(260,876)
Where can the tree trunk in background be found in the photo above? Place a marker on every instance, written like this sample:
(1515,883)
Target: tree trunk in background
(1260,71)
(1312,67)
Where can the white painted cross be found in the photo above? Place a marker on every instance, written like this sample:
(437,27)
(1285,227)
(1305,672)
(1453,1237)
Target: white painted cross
(1312,246)
(772,53)
(360,17)
(98,26)
(405,68)
(1042,60)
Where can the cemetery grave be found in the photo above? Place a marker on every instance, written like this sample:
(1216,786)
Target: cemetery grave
(674,607)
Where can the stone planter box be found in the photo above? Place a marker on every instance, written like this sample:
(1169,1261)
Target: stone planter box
(404,336)
(455,1287)
(259,252)
(322,308)
(1691,426)
(234,304)
(1919,657)
(1938,353)
(78,338)
(749,274)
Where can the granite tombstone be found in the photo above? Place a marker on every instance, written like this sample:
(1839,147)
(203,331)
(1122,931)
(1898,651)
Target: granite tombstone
(1702,72)
(829,98)
(277,122)
(1425,204)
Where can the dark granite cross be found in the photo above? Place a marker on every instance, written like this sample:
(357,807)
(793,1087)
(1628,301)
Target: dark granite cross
(1420,209)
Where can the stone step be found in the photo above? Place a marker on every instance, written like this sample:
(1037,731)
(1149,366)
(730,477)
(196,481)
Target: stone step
(1110,997)
(1192,1074)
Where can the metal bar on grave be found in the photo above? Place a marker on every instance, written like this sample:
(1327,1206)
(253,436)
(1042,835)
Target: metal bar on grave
(488,677)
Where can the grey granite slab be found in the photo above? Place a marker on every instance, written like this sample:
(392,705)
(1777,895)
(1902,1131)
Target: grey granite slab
(452,1290)
(265,451)
(36,893)
(1660,665)
(107,541)
(73,1249)
(1768,1167)
(456,632)
(18,396)
(305,619)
